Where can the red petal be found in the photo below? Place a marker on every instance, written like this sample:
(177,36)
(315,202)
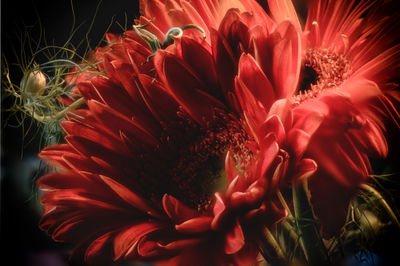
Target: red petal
(309,119)
(298,141)
(98,247)
(176,210)
(251,106)
(73,197)
(230,167)
(181,245)
(269,149)
(226,64)
(195,225)
(304,169)
(218,211)
(284,10)
(200,17)
(361,90)
(255,80)
(156,9)
(273,124)
(109,93)
(286,59)
(62,181)
(118,122)
(249,199)
(234,239)
(197,56)
(186,87)
(125,242)
(160,103)
(54,154)
(149,248)
(130,197)
(96,136)
(282,108)
(372,140)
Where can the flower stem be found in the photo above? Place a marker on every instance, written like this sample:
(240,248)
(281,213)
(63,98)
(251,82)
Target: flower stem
(310,238)
(270,249)
(382,202)
(59,115)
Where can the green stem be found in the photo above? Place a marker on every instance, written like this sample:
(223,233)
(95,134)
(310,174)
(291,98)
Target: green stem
(293,237)
(284,204)
(312,244)
(59,115)
(382,202)
(270,249)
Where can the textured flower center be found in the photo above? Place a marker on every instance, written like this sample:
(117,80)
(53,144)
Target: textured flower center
(322,69)
(200,171)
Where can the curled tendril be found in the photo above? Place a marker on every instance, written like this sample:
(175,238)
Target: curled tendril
(40,81)
(148,37)
(41,87)
(172,34)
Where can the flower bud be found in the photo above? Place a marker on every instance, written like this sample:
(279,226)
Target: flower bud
(34,83)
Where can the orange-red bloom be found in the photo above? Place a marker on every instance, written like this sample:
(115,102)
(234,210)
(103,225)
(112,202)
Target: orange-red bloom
(179,153)
(143,161)
(337,66)
(350,61)
(342,67)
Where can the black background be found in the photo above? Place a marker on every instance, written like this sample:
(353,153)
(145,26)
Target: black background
(23,243)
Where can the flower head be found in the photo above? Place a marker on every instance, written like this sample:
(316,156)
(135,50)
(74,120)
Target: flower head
(351,60)
(337,66)
(145,161)
(184,143)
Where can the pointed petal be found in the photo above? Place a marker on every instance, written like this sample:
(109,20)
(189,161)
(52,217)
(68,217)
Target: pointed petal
(284,10)
(255,80)
(234,239)
(282,109)
(176,210)
(126,241)
(305,168)
(298,141)
(186,87)
(195,225)
(273,124)
(130,197)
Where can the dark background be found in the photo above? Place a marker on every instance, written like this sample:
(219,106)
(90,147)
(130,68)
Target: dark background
(23,243)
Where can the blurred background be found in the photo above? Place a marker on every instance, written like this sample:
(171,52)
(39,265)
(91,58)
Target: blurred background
(23,243)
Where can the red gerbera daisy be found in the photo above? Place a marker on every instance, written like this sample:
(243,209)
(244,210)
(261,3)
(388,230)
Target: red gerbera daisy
(143,161)
(339,69)
(350,61)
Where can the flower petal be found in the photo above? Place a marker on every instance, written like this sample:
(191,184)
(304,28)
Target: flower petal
(234,239)
(125,242)
(130,197)
(255,80)
(298,141)
(186,87)
(176,210)
(195,225)
(284,10)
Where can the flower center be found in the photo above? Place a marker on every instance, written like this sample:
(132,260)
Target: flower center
(322,69)
(200,170)
(191,167)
